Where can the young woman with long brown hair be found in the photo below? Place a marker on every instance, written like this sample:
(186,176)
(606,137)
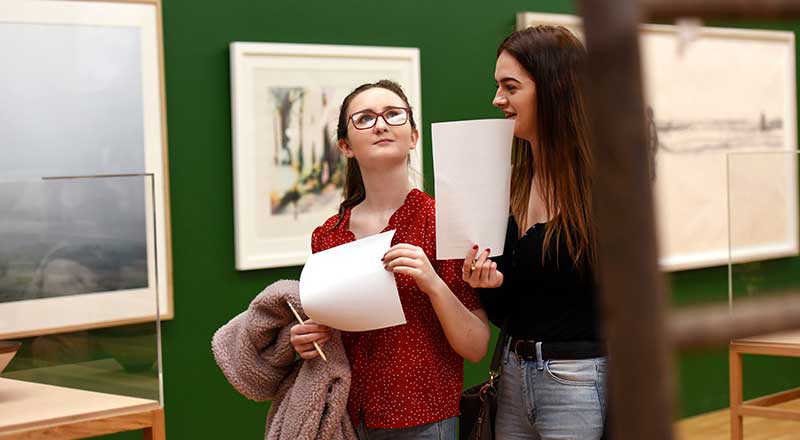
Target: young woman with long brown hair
(553,382)
(407,379)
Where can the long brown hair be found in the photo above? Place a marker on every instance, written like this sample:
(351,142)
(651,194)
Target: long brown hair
(555,59)
(353,192)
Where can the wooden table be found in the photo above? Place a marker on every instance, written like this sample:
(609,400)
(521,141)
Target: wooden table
(778,344)
(31,410)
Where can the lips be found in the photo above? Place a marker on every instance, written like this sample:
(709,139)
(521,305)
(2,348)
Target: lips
(384,142)
(510,115)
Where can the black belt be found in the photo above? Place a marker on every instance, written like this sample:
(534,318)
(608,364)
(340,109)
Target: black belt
(526,349)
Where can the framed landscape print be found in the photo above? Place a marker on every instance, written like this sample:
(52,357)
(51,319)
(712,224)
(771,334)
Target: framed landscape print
(84,212)
(288,173)
(711,92)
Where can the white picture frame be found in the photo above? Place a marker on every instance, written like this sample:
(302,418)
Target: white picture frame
(285,102)
(73,60)
(712,91)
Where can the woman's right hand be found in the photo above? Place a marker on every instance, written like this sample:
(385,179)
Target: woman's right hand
(304,335)
(485,275)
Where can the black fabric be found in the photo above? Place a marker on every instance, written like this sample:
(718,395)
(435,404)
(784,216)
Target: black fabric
(526,349)
(546,300)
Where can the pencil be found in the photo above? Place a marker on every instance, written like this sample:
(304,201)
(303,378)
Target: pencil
(300,320)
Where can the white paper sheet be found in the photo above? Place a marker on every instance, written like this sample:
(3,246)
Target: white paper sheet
(347,288)
(472,168)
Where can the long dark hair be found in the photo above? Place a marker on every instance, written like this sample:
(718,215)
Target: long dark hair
(353,192)
(555,59)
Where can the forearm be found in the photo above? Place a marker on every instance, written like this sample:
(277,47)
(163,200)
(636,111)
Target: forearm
(466,331)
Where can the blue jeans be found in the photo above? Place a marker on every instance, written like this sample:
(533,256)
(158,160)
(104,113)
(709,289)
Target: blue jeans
(551,400)
(441,430)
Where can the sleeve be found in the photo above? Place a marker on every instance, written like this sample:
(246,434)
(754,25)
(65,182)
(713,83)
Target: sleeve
(495,301)
(254,351)
(315,240)
(494,304)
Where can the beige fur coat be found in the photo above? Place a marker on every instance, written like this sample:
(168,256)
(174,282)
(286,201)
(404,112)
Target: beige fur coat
(309,398)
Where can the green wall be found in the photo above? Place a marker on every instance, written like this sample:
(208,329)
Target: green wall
(457,40)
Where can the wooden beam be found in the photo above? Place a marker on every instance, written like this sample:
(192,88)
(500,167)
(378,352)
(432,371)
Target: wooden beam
(774,399)
(631,288)
(707,326)
(770,413)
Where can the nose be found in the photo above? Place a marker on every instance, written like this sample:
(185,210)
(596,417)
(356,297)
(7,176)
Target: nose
(499,100)
(380,124)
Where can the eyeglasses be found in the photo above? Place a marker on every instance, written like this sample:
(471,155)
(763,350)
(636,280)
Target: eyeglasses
(366,119)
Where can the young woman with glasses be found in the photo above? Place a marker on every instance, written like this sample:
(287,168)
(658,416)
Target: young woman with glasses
(406,380)
(553,381)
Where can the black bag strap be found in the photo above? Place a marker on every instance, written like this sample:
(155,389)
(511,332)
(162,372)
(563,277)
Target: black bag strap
(494,367)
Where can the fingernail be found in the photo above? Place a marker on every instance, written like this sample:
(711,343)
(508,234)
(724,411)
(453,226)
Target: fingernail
(475,247)
(488,250)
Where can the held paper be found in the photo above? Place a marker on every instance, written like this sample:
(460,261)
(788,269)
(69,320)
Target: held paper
(472,168)
(347,287)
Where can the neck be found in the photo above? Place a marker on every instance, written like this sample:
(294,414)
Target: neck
(532,143)
(385,189)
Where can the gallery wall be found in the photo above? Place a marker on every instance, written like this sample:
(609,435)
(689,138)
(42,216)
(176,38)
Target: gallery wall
(457,41)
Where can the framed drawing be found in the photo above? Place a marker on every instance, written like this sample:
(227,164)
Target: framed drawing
(711,92)
(288,173)
(84,212)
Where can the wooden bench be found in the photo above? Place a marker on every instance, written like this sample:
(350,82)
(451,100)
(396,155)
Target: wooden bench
(778,344)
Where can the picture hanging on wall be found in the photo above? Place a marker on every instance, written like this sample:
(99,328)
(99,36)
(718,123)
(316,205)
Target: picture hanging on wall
(288,172)
(709,92)
(84,213)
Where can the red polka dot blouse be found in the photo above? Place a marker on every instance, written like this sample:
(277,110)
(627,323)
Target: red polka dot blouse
(406,375)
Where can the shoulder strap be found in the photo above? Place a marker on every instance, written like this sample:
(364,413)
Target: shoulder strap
(494,367)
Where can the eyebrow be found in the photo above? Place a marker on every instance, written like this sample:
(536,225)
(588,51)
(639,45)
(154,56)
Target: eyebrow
(509,78)
(384,109)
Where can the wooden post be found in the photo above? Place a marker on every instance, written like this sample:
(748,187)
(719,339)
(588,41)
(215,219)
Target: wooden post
(631,286)
(158,430)
(735,378)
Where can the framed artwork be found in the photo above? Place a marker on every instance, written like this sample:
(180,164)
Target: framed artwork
(84,210)
(711,92)
(288,172)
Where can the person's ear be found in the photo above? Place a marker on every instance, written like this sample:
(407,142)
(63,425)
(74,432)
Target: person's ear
(414,138)
(344,148)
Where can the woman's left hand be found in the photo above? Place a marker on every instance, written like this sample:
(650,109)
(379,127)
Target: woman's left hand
(411,260)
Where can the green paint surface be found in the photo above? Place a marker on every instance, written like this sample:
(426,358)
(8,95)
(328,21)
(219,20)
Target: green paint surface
(457,42)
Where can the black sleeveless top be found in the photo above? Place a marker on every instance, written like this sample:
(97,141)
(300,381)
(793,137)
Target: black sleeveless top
(550,302)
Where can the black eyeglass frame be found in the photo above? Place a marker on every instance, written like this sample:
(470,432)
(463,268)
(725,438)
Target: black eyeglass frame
(380,115)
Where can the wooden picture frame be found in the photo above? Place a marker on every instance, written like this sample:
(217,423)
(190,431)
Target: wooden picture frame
(86,80)
(711,92)
(288,172)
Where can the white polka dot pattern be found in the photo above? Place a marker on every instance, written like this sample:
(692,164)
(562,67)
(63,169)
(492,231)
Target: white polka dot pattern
(405,375)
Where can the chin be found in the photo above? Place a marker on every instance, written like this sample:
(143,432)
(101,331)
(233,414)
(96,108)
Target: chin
(386,158)
(523,133)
